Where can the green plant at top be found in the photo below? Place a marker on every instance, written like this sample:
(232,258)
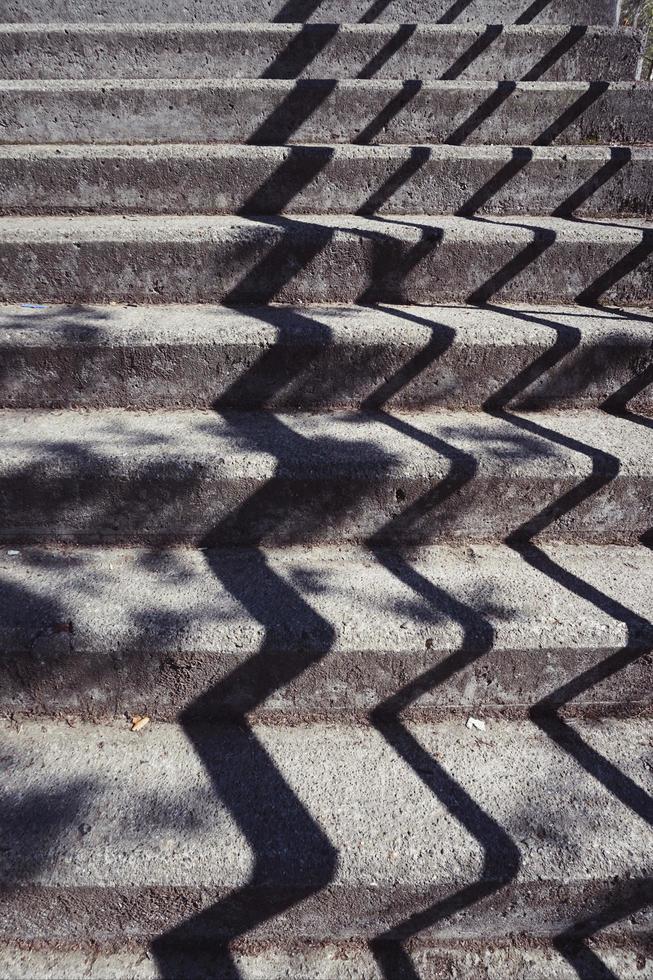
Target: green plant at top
(639,13)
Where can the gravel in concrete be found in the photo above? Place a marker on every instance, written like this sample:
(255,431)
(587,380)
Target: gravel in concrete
(271,111)
(320,357)
(324,259)
(327,11)
(324,632)
(212,179)
(343,961)
(319,51)
(261,478)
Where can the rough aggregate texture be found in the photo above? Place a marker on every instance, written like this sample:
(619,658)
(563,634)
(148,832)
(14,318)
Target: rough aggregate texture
(229,179)
(96,633)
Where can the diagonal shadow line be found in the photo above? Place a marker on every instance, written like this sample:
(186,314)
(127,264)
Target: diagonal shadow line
(305,97)
(617,404)
(387,268)
(374,11)
(403,34)
(409,89)
(454,11)
(475,50)
(543,239)
(442,337)
(532,12)
(488,107)
(502,93)
(302,48)
(625,265)
(558,51)
(620,156)
(301,166)
(521,157)
(490,35)
(594,92)
(570,944)
(419,155)
(296,11)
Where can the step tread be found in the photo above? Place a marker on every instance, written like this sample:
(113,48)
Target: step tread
(408,228)
(37,325)
(137,602)
(369,825)
(263,445)
(558,11)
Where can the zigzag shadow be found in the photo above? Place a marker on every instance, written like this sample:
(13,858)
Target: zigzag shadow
(501,857)
(546,713)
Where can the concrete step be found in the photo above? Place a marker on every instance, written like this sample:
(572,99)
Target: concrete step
(318,51)
(327,11)
(590,181)
(260,478)
(324,259)
(273,111)
(324,357)
(382,835)
(339,961)
(325,633)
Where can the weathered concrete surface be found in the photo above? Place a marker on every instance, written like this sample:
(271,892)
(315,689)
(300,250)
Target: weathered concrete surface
(327,11)
(141,835)
(272,111)
(324,259)
(319,51)
(100,632)
(230,178)
(321,357)
(259,478)
(342,961)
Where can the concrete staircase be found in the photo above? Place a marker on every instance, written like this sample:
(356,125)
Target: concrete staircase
(376,567)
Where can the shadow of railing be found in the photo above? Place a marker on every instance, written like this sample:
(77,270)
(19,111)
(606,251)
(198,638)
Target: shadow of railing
(546,713)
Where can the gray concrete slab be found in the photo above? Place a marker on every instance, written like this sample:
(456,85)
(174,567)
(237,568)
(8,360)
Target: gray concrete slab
(591,181)
(272,111)
(144,832)
(320,357)
(324,259)
(335,961)
(319,51)
(96,633)
(328,11)
(263,478)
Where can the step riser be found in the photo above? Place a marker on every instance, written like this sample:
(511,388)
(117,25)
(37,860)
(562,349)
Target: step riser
(307,261)
(313,111)
(86,507)
(313,359)
(328,11)
(322,51)
(506,683)
(73,915)
(330,179)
